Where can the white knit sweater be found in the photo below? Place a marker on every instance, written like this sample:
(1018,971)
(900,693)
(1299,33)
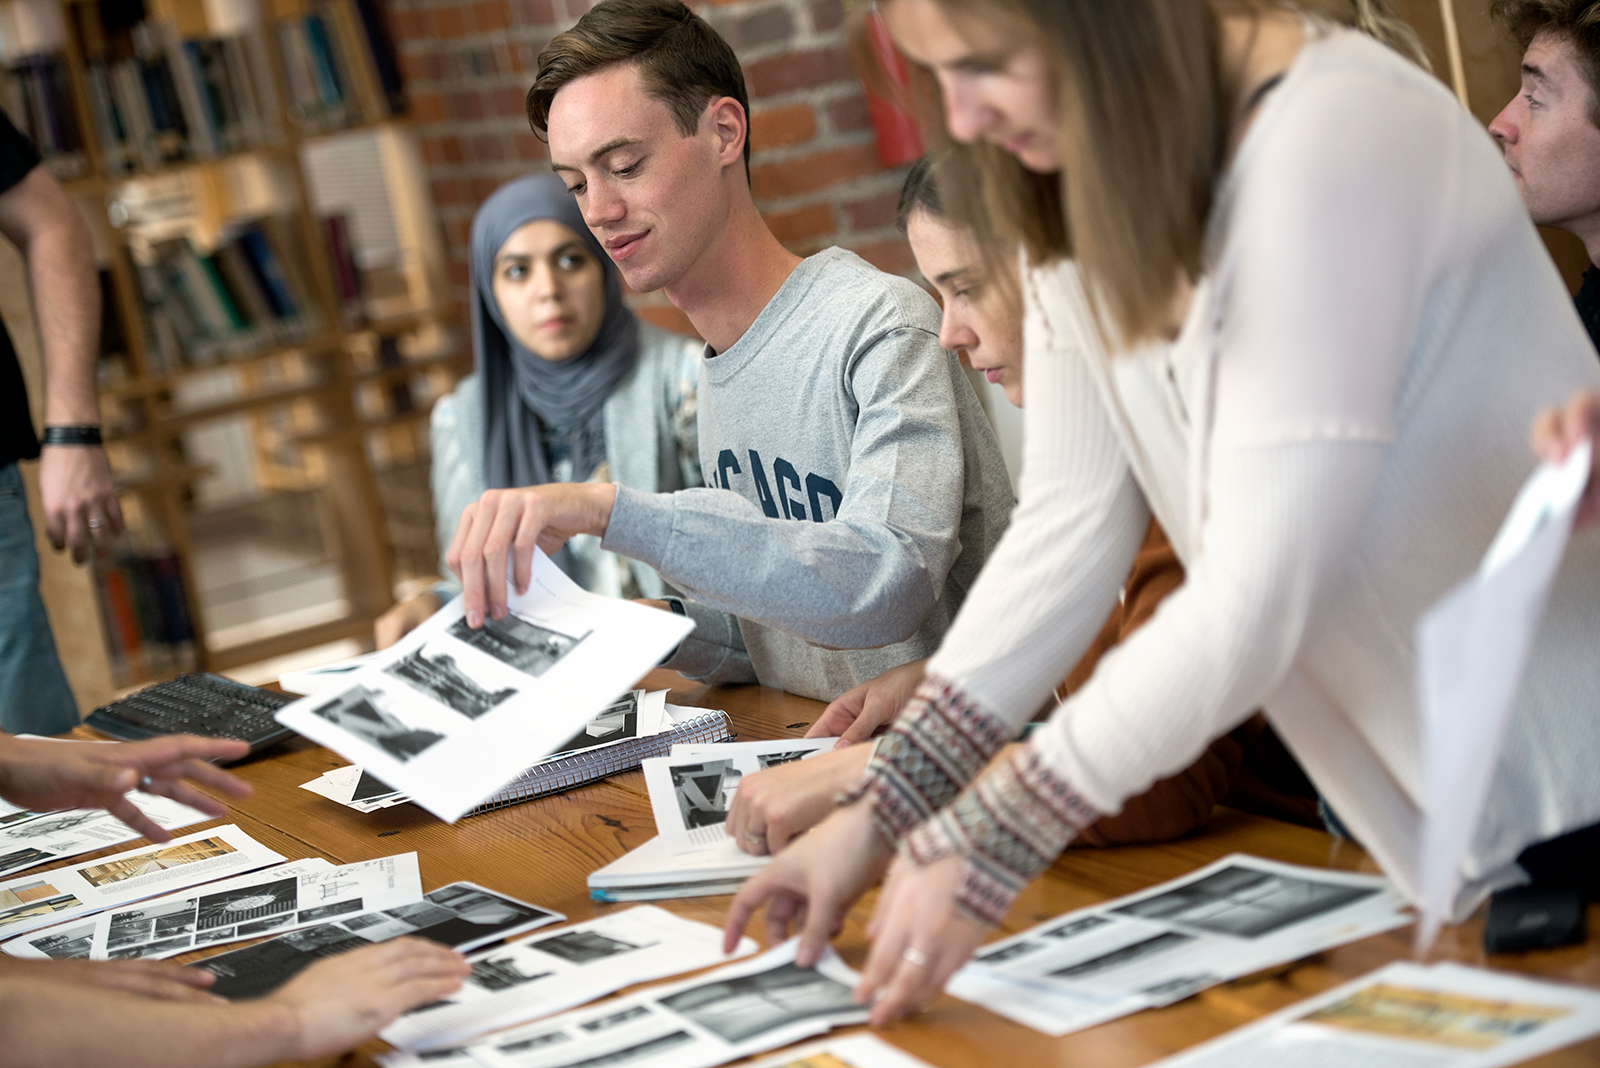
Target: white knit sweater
(1330,443)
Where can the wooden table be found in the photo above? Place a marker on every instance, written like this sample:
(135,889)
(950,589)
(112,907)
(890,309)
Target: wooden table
(542,851)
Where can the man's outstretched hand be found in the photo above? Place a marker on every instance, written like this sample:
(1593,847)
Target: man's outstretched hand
(45,774)
(503,527)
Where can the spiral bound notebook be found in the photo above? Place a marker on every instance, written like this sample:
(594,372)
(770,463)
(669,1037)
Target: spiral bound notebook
(358,789)
(562,773)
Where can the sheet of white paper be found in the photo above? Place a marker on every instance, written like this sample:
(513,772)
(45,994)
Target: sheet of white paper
(636,714)
(560,969)
(729,1013)
(160,924)
(849,1051)
(30,838)
(450,713)
(461,915)
(1236,916)
(690,793)
(1410,1016)
(1471,649)
(47,898)
(280,899)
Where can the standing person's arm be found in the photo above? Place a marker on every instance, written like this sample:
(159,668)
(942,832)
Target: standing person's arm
(81,509)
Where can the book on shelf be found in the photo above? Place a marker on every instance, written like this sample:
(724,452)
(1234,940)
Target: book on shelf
(342,255)
(156,97)
(36,96)
(339,66)
(145,612)
(244,295)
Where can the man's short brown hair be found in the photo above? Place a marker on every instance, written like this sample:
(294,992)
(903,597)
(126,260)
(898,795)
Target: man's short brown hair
(682,61)
(1575,21)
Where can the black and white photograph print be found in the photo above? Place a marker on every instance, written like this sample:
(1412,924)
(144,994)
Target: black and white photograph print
(464,916)
(25,857)
(583,947)
(514,641)
(1005,953)
(323,913)
(362,712)
(1141,950)
(616,1019)
(152,949)
(67,942)
(1073,928)
(614,723)
(228,907)
(441,678)
(739,1009)
(58,824)
(135,926)
(650,1047)
(1245,902)
(788,756)
(495,974)
(704,791)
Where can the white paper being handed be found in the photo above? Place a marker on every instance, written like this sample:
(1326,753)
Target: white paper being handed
(1471,649)
(452,713)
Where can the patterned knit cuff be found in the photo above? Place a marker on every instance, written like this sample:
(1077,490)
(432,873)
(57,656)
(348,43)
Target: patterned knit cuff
(936,746)
(1009,825)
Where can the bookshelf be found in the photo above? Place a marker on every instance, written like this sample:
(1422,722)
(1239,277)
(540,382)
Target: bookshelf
(275,328)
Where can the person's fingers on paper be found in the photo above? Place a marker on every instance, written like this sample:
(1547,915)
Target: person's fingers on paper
(860,713)
(756,892)
(499,533)
(528,536)
(839,714)
(922,938)
(341,1001)
(134,817)
(744,824)
(784,913)
(466,558)
(787,800)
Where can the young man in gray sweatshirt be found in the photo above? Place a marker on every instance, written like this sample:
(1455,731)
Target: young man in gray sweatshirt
(854,487)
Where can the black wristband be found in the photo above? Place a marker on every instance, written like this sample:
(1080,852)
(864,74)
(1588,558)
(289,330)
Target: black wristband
(676,606)
(71,435)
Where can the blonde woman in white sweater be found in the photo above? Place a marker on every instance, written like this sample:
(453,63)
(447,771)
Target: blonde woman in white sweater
(1320,325)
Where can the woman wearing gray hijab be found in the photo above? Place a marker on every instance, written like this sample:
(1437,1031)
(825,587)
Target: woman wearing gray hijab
(569,387)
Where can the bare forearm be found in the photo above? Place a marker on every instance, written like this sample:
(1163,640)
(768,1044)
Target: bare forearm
(50,1024)
(67,307)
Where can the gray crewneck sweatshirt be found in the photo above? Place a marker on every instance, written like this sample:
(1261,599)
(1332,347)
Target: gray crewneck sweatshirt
(854,489)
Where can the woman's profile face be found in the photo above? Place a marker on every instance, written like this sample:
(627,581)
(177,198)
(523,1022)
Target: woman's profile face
(550,289)
(994,85)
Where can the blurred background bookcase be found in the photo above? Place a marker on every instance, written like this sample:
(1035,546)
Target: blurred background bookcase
(275,323)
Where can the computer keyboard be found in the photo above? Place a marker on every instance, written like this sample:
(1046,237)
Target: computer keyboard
(208,705)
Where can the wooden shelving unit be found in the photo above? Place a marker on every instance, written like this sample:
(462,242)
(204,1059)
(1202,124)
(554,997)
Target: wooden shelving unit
(328,411)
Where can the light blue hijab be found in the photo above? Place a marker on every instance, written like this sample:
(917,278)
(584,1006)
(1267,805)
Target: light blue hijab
(524,395)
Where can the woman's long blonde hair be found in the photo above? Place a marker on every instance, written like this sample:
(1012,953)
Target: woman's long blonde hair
(1145,110)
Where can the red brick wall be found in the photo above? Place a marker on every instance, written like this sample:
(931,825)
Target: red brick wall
(814,164)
